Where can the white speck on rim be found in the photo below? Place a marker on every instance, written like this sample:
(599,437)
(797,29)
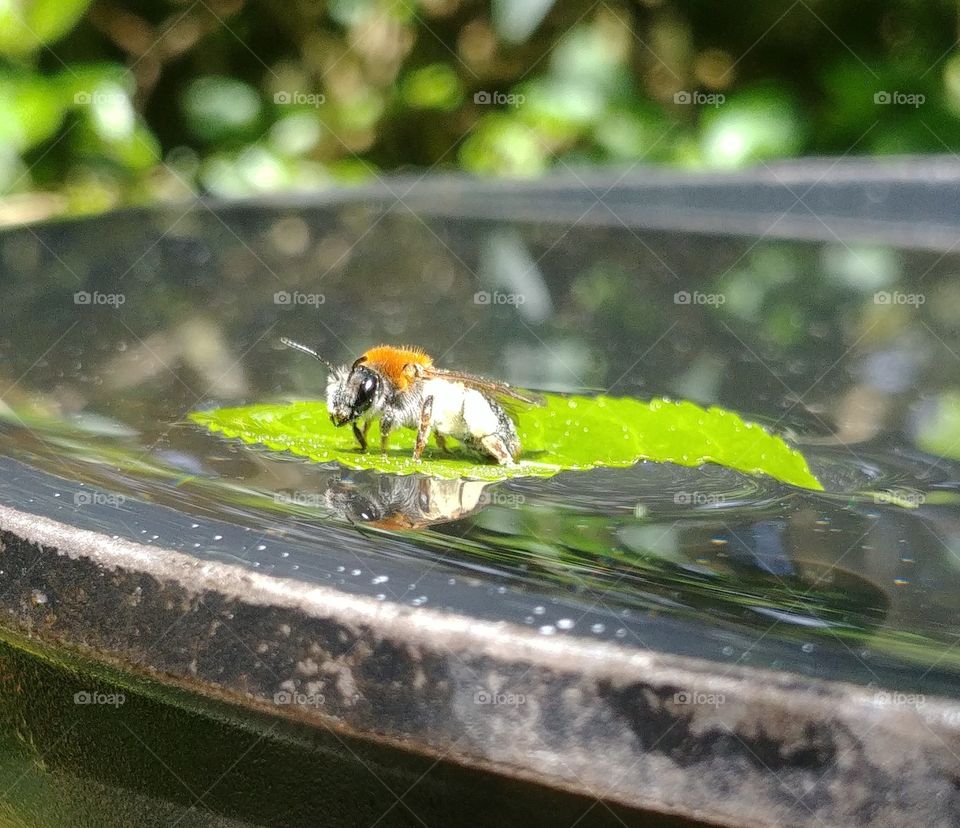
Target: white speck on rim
(261,547)
(548,629)
(380,579)
(597,628)
(355,572)
(538,610)
(565,623)
(218,537)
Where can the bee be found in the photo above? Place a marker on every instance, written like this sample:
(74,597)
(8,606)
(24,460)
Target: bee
(402,388)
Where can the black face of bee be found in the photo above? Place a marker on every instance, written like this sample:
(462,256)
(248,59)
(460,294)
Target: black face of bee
(366,390)
(353,394)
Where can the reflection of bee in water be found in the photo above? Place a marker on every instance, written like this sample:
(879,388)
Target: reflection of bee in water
(402,387)
(400,502)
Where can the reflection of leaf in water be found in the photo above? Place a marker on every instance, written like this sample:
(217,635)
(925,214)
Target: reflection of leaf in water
(568,433)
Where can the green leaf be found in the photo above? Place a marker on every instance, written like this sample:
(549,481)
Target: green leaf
(31,110)
(567,434)
(26,25)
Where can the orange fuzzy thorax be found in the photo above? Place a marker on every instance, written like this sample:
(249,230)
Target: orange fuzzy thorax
(390,361)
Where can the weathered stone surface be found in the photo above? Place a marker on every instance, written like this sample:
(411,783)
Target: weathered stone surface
(644,730)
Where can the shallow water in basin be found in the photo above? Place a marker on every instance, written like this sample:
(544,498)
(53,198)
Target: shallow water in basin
(116,328)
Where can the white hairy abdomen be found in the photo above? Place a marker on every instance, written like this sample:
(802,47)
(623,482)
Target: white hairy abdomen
(459,411)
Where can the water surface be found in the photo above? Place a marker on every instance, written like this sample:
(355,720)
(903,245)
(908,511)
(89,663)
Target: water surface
(116,328)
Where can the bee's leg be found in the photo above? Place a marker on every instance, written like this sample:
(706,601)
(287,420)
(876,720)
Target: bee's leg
(423,432)
(441,441)
(361,435)
(495,446)
(386,426)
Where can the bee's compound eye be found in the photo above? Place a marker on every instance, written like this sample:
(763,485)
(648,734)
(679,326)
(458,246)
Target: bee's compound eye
(365,393)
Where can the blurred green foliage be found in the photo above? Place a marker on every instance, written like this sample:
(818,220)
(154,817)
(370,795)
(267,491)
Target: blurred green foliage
(127,101)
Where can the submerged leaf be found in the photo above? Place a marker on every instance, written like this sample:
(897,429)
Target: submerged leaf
(566,434)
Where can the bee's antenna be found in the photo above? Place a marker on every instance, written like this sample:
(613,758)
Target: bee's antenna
(298,347)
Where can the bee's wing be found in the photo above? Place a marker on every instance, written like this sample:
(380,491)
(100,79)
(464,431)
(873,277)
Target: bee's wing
(501,390)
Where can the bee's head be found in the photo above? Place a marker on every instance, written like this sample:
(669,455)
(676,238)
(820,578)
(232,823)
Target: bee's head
(352,391)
